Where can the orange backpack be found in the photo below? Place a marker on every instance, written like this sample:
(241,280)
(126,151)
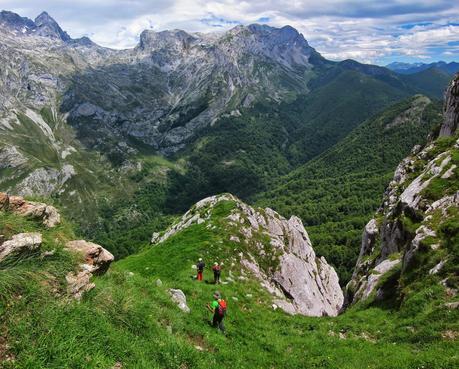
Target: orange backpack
(221,307)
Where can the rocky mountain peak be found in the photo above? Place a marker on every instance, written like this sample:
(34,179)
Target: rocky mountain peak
(283,45)
(46,26)
(281,35)
(15,22)
(152,40)
(268,35)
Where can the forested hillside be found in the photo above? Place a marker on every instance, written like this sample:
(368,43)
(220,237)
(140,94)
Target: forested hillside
(335,193)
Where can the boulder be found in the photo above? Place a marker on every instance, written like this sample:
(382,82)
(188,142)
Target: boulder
(19,243)
(180,299)
(96,261)
(47,214)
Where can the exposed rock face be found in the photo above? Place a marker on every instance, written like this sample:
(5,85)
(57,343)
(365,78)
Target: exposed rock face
(96,261)
(180,299)
(19,243)
(390,240)
(300,282)
(46,213)
(78,283)
(10,157)
(451,108)
(44,182)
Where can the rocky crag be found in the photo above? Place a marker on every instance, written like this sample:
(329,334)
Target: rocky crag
(414,235)
(275,251)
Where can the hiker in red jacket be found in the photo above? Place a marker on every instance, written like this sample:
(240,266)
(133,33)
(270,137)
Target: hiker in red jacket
(217,271)
(200,267)
(218,308)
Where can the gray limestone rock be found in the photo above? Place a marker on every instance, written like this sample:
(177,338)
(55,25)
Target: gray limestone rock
(180,299)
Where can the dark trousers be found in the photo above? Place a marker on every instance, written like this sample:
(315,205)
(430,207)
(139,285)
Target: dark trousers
(217,322)
(216,278)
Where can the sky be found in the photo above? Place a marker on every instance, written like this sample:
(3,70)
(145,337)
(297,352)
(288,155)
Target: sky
(370,31)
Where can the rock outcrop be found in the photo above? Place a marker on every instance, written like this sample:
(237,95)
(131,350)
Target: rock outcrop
(285,265)
(96,258)
(19,243)
(96,261)
(47,214)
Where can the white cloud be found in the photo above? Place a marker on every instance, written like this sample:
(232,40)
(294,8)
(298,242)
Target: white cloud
(366,30)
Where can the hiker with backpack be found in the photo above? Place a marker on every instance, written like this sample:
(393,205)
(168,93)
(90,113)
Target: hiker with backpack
(200,267)
(217,271)
(218,308)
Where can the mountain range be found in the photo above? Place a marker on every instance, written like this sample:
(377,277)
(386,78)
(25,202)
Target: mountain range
(168,94)
(284,303)
(412,68)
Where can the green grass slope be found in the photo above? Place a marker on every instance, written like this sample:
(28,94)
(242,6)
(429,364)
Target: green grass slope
(336,193)
(128,319)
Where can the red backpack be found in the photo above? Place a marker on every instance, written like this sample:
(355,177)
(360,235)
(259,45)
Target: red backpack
(221,307)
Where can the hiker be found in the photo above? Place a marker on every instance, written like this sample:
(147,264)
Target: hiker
(218,308)
(217,271)
(200,267)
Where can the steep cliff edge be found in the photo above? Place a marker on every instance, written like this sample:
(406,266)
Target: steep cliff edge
(412,242)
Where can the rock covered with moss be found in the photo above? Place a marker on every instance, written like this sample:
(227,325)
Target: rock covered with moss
(276,251)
